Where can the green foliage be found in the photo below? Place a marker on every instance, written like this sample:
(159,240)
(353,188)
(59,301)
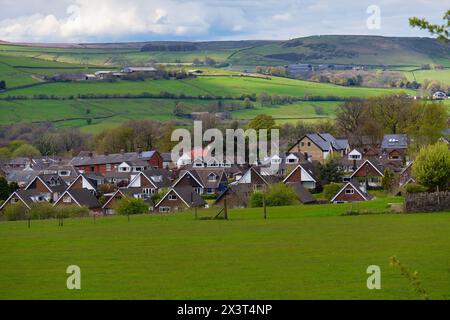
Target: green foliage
(388,180)
(130,206)
(415,188)
(256,199)
(442,31)
(262,121)
(43,210)
(276,195)
(330,190)
(26,150)
(329,172)
(15,212)
(5,190)
(432,166)
(72,211)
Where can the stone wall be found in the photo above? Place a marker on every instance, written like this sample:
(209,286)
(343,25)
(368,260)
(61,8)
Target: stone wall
(427,202)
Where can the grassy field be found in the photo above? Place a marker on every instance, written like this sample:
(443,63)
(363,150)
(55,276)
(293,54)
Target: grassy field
(440,75)
(307,252)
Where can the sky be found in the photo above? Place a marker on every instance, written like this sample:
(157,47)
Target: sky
(197,20)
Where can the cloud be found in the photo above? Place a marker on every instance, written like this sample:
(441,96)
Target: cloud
(118,20)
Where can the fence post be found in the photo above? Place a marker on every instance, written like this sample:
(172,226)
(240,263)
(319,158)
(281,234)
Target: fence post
(264,206)
(225,207)
(195,211)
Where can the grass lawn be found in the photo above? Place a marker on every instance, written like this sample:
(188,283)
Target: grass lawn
(442,76)
(299,252)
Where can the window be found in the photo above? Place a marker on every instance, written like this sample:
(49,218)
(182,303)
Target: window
(67,199)
(302,144)
(198,190)
(309,144)
(64,173)
(157,178)
(355,156)
(108,167)
(148,191)
(172,197)
(164,209)
(210,191)
(212,177)
(349,191)
(14,200)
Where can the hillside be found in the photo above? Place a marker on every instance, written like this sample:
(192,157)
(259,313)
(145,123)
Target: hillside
(367,50)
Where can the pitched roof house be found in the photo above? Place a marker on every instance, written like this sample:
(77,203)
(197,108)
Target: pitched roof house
(351,192)
(179,199)
(394,146)
(80,198)
(110,162)
(303,174)
(368,174)
(52,184)
(319,146)
(26,198)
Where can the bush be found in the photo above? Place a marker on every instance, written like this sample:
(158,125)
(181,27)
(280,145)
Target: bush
(281,194)
(130,206)
(256,199)
(15,212)
(42,211)
(330,190)
(72,211)
(415,188)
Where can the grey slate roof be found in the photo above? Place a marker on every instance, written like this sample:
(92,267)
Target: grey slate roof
(82,159)
(85,198)
(190,196)
(395,141)
(303,195)
(325,140)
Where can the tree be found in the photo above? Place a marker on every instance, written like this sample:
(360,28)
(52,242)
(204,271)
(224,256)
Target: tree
(388,180)
(129,206)
(432,166)
(280,194)
(248,103)
(350,117)
(442,31)
(26,150)
(330,190)
(264,98)
(329,172)
(262,121)
(5,190)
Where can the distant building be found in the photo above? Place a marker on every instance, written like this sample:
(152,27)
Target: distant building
(138,69)
(439,95)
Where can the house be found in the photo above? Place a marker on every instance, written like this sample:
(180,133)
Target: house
(351,192)
(204,180)
(167,161)
(406,175)
(67,172)
(84,182)
(139,69)
(319,146)
(237,196)
(88,162)
(303,194)
(26,197)
(179,199)
(50,184)
(394,146)
(80,198)
(21,177)
(303,174)
(368,175)
(122,193)
(133,166)
(255,179)
(150,181)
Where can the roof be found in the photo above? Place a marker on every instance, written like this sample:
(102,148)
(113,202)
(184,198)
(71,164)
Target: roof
(159,177)
(21,175)
(325,140)
(187,195)
(354,185)
(47,178)
(167,156)
(395,141)
(83,197)
(82,159)
(202,174)
(24,195)
(303,195)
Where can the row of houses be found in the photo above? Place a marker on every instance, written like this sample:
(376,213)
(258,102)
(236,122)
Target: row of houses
(99,181)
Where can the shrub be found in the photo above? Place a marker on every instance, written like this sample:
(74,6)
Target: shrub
(432,166)
(15,212)
(130,206)
(42,211)
(281,194)
(330,190)
(72,211)
(256,199)
(415,188)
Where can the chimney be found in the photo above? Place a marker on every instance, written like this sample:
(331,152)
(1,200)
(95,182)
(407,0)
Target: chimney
(139,151)
(122,151)
(90,154)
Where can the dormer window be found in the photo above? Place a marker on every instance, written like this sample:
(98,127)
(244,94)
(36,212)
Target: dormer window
(172,197)
(157,178)
(212,177)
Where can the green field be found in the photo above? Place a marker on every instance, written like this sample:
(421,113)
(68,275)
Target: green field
(300,252)
(442,76)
